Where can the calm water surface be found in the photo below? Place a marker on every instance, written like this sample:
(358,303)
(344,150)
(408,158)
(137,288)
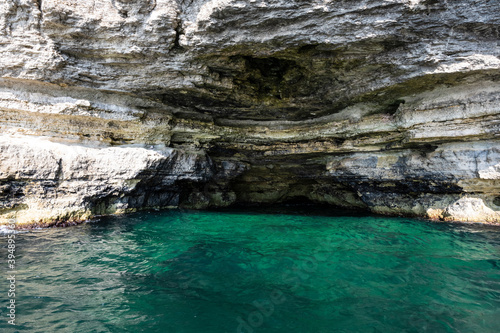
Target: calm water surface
(244,271)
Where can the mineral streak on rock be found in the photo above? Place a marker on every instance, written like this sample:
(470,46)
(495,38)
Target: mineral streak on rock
(111,106)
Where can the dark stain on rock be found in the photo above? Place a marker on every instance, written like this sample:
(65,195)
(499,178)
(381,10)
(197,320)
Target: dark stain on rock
(269,79)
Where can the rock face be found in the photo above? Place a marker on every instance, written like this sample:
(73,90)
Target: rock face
(115,105)
(50,182)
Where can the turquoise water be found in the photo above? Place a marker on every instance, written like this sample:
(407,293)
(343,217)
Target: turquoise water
(243,271)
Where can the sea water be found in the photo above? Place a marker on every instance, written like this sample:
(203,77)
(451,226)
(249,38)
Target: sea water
(255,271)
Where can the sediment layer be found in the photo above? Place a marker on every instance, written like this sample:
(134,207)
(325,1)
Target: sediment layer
(115,106)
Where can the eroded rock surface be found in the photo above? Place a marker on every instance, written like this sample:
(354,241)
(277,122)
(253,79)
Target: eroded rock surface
(113,105)
(47,181)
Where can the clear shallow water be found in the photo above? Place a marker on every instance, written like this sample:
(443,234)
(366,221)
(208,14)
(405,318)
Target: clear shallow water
(210,272)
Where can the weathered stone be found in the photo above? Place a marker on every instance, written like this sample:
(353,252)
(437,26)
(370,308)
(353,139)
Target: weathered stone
(46,181)
(386,105)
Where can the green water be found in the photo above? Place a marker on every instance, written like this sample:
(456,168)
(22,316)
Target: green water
(242,271)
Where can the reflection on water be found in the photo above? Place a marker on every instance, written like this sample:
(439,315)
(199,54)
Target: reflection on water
(242,271)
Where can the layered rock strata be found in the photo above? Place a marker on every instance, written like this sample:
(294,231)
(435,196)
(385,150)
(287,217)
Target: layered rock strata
(111,106)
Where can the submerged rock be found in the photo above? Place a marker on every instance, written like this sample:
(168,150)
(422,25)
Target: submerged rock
(112,106)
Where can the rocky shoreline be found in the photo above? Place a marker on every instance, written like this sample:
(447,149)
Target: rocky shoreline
(109,107)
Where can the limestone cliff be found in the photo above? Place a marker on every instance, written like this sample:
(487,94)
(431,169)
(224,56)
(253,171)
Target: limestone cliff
(116,105)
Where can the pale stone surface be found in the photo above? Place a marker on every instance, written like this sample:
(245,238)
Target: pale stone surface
(470,210)
(49,180)
(113,105)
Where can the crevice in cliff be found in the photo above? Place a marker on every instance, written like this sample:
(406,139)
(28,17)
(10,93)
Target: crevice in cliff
(39,5)
(59,172)
(123,13)
(178,32)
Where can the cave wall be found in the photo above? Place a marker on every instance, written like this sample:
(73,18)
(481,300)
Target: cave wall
(112,106)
